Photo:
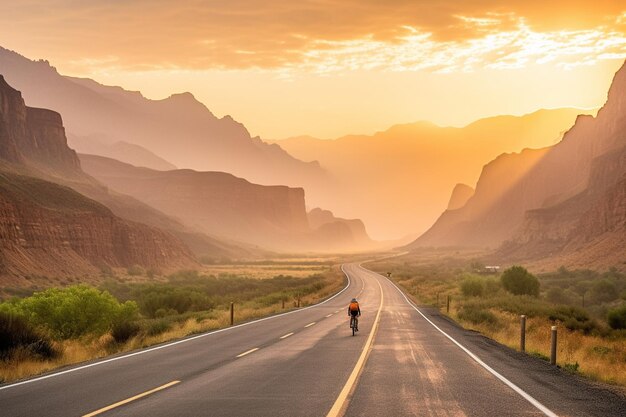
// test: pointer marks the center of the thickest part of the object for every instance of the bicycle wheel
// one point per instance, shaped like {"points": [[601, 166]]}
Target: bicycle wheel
{"points": [[353, 325]]}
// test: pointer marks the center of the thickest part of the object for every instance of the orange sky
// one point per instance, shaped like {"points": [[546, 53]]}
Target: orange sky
{"points": [[332, 67]]}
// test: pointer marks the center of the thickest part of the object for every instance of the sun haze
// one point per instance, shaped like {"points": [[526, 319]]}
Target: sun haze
{"points": [[334, 67]]}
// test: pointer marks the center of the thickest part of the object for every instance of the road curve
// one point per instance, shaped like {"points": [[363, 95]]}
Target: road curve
{"points": [[301, 364]]}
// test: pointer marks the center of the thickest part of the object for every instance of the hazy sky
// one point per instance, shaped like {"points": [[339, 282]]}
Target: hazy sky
{"points": [[331, 67]]}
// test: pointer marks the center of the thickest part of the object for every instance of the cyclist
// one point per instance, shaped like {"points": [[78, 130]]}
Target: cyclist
{"points": [[354, 311]]}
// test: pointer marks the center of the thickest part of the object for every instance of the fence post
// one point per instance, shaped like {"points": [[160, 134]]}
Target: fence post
{"points": [[232, 313], [298, 301], [283, 303], [437, 300], [553, 346], [522, 334], [448, 305]]}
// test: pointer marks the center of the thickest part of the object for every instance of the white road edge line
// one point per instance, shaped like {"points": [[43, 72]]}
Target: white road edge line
{"points": [[309, 325], [337, 408], [492, 371], [247, 352], [287, 335], [141, 352], [328, 315]]}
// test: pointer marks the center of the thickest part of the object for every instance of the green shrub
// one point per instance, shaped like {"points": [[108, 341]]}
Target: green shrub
{"points": [[617, 318], [517, 280], [472, 287], [602, 291], [166, 298], [573, 318], [158, 327], [73, 311], [17, 334], [124, 330], [492, 286], [476, 315], [557, 296]]}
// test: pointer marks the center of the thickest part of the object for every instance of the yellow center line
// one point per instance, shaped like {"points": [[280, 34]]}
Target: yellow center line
{"points": [[126, 401], [339, 407], [336, 311], [310, 324], [329, 315], [247, 352], [286, 336]]}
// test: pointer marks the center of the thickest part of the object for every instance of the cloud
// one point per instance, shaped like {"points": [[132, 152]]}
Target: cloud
{"points": [[317, 35]]}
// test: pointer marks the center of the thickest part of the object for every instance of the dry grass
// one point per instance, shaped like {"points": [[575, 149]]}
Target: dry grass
{"points": [[264, 271], [76, 351], [599, 358]]}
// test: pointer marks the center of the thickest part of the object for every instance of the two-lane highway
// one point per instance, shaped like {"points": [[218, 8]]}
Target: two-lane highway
{"points": [[292, 364], [404, 361]]}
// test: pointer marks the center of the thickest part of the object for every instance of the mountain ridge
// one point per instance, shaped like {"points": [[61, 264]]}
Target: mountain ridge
{"points": [[566, 203], [113, 114], [421, 157]]}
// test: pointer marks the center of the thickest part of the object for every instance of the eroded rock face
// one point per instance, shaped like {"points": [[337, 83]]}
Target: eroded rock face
{"points": [[336, 232], [51, 230], [60, 232], [587, 229], [566, 202], [32, 136], [213, 202]]}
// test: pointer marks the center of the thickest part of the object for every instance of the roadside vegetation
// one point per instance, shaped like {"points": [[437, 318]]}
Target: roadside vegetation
{"points": [[588, 307], [46, 329]]}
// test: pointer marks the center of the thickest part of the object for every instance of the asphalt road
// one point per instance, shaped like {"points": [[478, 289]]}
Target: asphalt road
{"points": [[403, 362]]}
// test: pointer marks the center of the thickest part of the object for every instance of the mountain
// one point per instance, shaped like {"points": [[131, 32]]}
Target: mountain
{"points": [[223, 205], [122, 151], [399, 179], [565, 204], [179, 127], [339, 233], [481, 221], [460, 194], [49, 229]]}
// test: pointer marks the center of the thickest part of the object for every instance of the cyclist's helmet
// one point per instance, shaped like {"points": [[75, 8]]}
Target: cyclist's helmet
{"points": [[354, 300]]}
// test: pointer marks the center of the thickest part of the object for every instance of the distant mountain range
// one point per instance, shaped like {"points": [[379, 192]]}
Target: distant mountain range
{"points": [[399, 179], [178, 127], [560, 205], [122, 151], [221, 204]]}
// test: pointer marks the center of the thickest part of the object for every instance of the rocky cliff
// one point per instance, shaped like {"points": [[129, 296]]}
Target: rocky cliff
{"points": [[214, 202], [33, 136], [586, 230], [49, 229], [223, 205], [496, 208], [338, 233], [565, 204]]}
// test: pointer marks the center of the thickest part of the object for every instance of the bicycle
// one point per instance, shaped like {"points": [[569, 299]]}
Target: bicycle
{"points": [[354, 324]]}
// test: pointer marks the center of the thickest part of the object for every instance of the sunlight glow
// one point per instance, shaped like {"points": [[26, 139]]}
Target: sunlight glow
{"points": [[497, 50]]}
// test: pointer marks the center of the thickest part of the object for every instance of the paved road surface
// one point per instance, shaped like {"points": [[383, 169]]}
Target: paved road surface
{"points": [[306, 363]]}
